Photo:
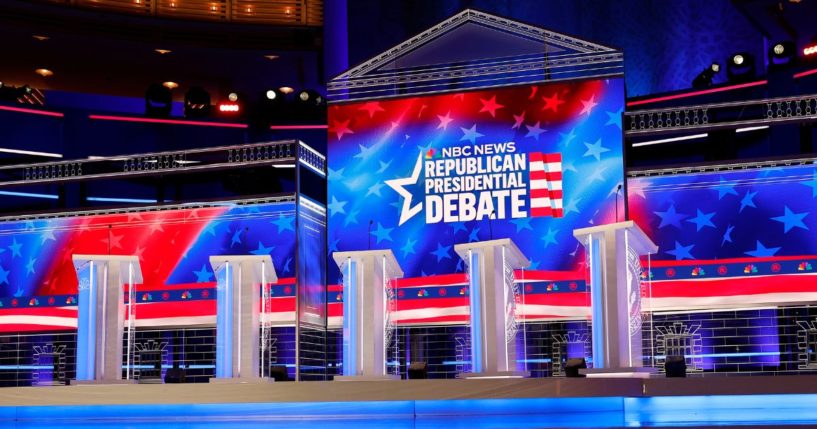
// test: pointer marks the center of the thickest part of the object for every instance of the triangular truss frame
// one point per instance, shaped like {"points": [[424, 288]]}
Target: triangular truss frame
{"points": [[575, 59]]}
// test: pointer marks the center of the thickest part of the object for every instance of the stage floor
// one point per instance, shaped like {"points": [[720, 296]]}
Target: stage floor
{"points": [[491, 403]]}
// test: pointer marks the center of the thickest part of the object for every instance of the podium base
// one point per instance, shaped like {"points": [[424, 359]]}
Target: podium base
{"points": [[239, 380], [494, 374], [366, 378], [99, 382], [633, 372]]}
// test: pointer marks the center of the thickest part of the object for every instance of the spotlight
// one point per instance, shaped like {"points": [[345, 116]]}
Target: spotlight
{"points": [[272, 94], [782, 54], [418, 371], [810, 50], [738, 59], [572, 367], [158, 101], [704, 79], [232, 97], [196, 103], [675, 366], [741, 67], [44, 72], [286, 90], [170, 85]]}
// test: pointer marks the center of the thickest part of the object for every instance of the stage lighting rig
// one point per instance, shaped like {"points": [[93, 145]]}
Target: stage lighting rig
{"points": [[196, 103], [741, 67], [233, 106], [309, 106], [704, 79], [158, 101], [782, 54]]}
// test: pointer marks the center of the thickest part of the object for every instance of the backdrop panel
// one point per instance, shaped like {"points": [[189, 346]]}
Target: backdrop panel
{"points": [[529, 162]]}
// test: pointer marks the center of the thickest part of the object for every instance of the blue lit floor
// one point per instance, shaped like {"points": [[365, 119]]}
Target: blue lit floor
{"points": [[593, 412]]}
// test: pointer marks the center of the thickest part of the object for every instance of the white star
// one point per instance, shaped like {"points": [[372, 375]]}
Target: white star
{"points": [[588, 105], [47, 235], [407, 212], [444, 120]]}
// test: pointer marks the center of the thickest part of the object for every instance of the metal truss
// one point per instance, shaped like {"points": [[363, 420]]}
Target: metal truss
{"points": [[704, 117], [571, 58]]}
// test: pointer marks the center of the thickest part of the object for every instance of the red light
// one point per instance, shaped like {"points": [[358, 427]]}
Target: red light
{"points": [[228, 108], [810, 50]]}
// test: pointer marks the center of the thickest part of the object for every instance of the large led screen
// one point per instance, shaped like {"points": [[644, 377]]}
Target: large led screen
{"points": [[38, 282], [420, 175], [730, 238]]}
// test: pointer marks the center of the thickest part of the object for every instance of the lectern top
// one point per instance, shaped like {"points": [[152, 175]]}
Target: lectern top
{"points": [[133, 260], [639, 240], [253, 262], [391, 261], [518, 259]]}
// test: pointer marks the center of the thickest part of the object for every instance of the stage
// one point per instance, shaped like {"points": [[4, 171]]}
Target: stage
{"points": [[557, 402]]}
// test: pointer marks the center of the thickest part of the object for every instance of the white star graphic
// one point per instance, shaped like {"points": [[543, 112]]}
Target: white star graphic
{"points": [[407, 211]]}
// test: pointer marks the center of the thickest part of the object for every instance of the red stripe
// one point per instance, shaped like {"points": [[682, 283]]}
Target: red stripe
{"points": [[553, 176], [430, 303], [555, 194], [695, 93], [441, 280], [567, 299], [684, 263], [298, 127], [40, 311], [32, 111], [787, 283], [548, 275], [33, 328], [535, 156], [558, 212], [540, 211], [553, 157], [440, 319], [538, 175], [167, 121], [539, 193], [157, 310], [334, 309]]}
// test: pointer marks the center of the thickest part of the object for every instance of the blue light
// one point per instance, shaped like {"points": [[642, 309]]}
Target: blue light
{"points": [[18, 367], [596, 301], [86, 323], [30, 195], [350, 337], [475, 297], [614, 411], [224, 322], [121, 200]]}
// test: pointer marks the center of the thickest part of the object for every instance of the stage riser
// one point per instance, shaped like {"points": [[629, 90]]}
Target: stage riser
{"points": [[761, 341]]}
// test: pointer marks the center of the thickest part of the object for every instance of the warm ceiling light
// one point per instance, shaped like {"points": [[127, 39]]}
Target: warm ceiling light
{"points": [[44, 72], [213, 7], [170, 85], [286, 90], [163, 51], [40, 38], [271, 57]]}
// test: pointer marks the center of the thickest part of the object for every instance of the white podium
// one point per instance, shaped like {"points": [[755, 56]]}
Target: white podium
{"points": [[239, 281], [491, 265], [101, 316], [368, 303], [613, 254]]}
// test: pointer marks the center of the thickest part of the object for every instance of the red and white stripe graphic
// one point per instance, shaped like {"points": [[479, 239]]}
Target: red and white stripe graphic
{"points": [[545, 184]]}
